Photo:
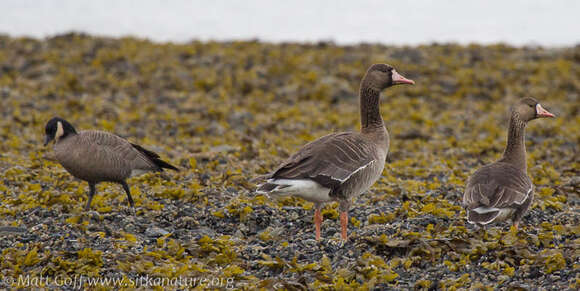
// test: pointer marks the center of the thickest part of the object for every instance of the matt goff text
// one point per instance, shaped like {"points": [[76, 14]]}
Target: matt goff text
{"points": [[81, 281]]}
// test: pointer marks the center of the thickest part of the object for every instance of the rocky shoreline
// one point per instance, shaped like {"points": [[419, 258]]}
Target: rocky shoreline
{"points": [[228, 112]]}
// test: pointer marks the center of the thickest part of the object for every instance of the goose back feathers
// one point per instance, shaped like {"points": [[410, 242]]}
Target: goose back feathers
{"points": [[98, 156]]}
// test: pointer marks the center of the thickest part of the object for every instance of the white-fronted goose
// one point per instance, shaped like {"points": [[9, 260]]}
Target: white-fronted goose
{"points": [[97, 156], [502, 189], [340, 166]]}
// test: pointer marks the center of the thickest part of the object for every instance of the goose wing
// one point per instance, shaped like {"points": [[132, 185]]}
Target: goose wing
{"points": [[329, 160], [494, 188]]}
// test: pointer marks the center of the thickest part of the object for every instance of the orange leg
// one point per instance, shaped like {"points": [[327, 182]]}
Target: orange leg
{"points": [[516, 225], [317, 222], [343, 224]]}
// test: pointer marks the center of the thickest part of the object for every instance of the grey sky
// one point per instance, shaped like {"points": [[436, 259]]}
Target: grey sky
{"points": [[548, 23]]}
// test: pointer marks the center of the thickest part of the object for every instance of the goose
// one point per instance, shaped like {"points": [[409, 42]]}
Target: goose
{"points": [[502, 189], [340, 166], [98, 156]]}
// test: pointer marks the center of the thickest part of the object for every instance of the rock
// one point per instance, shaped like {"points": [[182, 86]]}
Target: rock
{"points": [[6, 230], [339, 88], [203, 231], [155, 231], [216, 129], [224, 148], [574, 182], [238, 120]]}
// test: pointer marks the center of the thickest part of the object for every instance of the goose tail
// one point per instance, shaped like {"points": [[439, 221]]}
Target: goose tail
{"points": [[154, 157]]}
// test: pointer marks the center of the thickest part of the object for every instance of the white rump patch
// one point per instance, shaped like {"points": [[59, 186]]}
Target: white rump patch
{"points": [[304, 188]]}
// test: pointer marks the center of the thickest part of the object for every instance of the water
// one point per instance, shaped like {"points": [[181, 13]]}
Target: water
{"points": [[547, 23]]}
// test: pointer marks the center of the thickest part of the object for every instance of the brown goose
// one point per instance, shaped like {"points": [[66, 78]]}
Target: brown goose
{"points": [[97, 156], [340, 166], [502, 189]]}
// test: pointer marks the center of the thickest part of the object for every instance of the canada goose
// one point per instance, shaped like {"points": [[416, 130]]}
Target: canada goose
{"points": [[340, 166], [502, 189], [97, 156]]}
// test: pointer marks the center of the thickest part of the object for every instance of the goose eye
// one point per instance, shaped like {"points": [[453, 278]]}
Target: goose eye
{"points": [[531, 106]]}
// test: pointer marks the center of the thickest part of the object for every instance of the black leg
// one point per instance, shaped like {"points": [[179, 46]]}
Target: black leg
{"points": [[92, 190], [128, 191]]}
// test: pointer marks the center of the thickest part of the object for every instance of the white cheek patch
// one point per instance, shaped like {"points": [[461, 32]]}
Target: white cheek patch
{"points": [[59, 131]]}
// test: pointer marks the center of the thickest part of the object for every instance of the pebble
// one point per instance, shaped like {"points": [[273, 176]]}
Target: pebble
{"points": [[155, 232]]}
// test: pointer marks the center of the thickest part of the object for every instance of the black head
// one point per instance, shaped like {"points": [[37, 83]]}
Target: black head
{"points": [[56, 129], [529, 108], [382, 76]]}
